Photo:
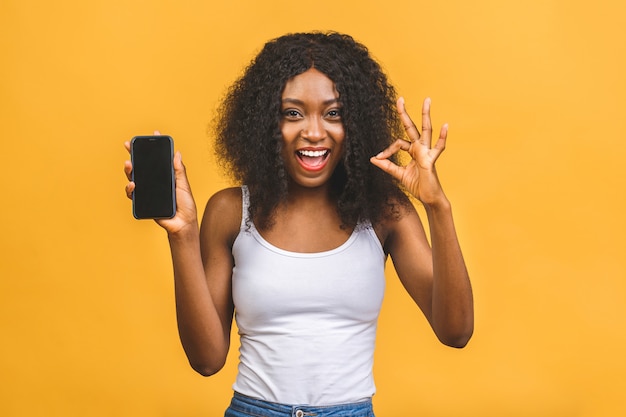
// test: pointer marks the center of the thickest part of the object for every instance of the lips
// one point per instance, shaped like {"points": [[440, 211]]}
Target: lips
{"points": [[313, 159]]}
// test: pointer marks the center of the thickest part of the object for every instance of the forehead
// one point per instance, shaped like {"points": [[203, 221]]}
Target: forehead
{"points": [[310, 84]]}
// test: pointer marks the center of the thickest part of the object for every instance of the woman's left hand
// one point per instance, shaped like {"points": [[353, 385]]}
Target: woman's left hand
{"points": [[419, 175]]}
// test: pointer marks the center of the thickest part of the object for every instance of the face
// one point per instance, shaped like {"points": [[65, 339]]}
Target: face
{"points": [[312, 128]]}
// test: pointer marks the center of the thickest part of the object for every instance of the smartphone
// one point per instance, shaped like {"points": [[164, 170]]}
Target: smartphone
{"points": [[154, 196]]}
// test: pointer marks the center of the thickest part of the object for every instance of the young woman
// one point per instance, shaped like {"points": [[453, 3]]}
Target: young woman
{"points": [[297, 253]]}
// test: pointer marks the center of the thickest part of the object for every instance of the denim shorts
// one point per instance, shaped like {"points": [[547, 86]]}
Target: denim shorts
{"points": [[244, 406]]}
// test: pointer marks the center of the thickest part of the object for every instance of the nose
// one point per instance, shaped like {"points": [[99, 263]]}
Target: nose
{"points": [[314, 129]]}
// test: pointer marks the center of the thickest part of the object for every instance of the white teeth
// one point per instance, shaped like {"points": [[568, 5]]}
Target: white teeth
{"points": [[313, 154]]}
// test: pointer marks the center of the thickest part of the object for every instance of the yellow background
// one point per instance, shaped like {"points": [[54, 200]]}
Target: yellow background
{"points": [[535, 95]]}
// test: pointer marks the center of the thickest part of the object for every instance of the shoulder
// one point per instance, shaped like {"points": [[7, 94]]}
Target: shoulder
{"points": [[225, 199], [400, 216], [222, 214]]}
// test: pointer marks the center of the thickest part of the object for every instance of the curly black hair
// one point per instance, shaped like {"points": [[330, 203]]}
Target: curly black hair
{"points": [[248, 137]]}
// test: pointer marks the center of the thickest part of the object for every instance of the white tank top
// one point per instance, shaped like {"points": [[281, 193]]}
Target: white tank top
{"points": [[307, 321]]}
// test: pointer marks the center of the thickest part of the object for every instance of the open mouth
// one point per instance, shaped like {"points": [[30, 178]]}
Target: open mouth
{"points": [[313, 159]]}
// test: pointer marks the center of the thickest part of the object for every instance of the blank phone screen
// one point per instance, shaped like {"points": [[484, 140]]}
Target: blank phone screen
{"points": [[153, 174]]}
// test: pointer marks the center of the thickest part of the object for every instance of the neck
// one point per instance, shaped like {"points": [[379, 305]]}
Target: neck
{"points": [[310, 196]]}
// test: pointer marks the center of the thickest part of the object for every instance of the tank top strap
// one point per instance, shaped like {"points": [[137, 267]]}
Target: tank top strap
{"points": [[245, 204]]}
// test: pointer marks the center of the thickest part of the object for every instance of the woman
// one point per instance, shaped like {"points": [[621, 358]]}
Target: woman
{"points": [[311, 130]]}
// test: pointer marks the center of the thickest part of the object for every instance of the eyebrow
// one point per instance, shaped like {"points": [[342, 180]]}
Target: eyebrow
{"points": [[300, 102]]}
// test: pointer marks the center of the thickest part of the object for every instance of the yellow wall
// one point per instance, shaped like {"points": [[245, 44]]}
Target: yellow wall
{"points": [[535, 95]]}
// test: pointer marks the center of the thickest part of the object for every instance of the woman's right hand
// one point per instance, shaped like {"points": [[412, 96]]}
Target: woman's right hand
{"points": [[186, 217]]}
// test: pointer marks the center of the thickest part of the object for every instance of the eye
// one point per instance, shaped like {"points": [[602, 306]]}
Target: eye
{"points": [[334, 114], [291, 114]]}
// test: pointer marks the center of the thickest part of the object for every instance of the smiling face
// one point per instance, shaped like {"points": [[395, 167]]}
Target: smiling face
{"points": [[312, 129]]}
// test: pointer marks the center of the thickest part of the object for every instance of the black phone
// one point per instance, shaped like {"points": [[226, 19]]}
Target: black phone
{"points": [[154, 196]]}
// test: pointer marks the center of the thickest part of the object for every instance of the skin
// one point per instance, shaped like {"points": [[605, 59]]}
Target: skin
{"points": [[311, 121], [435, 277]]}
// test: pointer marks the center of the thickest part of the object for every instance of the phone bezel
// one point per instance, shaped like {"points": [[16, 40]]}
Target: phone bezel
{"points": [[141, 215]]}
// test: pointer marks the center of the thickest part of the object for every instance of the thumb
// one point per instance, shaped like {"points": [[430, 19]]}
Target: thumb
{"points": [[179, 168], [180, 173]]}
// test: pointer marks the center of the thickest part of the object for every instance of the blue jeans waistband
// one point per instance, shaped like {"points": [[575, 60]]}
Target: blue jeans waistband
{"points": [[244, 406]]}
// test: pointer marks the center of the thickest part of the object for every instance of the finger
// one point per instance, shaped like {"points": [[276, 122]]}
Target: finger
{"points": [[179, 167], [426, 124], [407, 122], [157, 133], [441, 141], [180, 172], [389, 167], [130, 187], [128, 170], [127, 145], [399, 144]]}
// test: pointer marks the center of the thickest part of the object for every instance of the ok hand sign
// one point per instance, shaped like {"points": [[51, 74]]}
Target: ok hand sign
{"points": [[419, 175]]}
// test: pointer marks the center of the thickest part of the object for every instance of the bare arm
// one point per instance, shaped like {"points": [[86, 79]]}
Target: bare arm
{"points": [[436, 278], [202, 271], [202, 264]]}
